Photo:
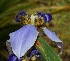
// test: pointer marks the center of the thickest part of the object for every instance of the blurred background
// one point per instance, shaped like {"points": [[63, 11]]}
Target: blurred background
{"points": [[59, 9]]}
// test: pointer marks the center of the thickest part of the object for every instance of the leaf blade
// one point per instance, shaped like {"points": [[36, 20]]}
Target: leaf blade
{"points": [[49, 52]]}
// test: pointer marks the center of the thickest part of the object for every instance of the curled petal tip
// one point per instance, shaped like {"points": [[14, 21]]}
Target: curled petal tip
{"points": [[40, 14], [20, 13], [35, 52], [47, 17]]}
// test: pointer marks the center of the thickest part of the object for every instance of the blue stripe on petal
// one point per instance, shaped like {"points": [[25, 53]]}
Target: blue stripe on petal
{"points": [[23, 39], [22, 13], [40, 14], [17, 19], [47, 17]]}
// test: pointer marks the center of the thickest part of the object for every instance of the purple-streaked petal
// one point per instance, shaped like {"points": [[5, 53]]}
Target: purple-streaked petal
{"points": [[53, 37], [35, 52], [20, 13], [40, 14], [47, 17], [17, 19], [23, 39], [12, 57]]}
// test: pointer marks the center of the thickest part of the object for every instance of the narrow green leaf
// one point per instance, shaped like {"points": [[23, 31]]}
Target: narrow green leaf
{"points": [[42, 53], [49, 53]]}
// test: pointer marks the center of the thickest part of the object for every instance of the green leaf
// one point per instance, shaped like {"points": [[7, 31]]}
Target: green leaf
{"points": [[48, 53]]}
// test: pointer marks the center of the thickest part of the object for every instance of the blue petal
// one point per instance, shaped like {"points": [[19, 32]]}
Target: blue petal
{"points": [[23, 39], [12, 57], [52, 36]]}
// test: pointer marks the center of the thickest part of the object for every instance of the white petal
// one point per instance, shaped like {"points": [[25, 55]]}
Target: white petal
{"points": [[23, 39]]}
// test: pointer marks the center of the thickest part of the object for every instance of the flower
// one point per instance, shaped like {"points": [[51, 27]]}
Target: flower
{"points": [[24, 38]]}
